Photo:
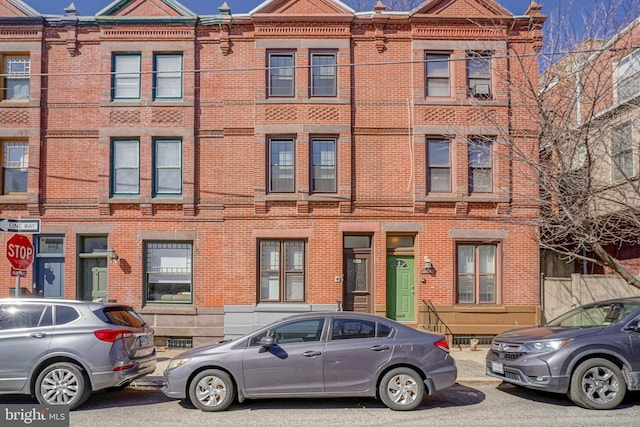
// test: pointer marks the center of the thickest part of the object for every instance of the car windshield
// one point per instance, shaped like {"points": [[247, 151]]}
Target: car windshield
{"points": [[603, 314]]}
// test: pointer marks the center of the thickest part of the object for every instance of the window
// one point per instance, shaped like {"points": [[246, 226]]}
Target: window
{"points": [[629, 76], [168, 272], [18, 316], [308, 330], [15, 166], [622, 152], [167, 178], [323, 74], [281, 165], [476, 273], [323, 170], [438, 75], [16, 71], [282, 270], [480, 175], [281, 81], [439, 164], [126, 167], [479, 74], [167, 76], [126, 76]]}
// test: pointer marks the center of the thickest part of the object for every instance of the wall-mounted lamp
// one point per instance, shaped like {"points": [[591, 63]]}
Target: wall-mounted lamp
{"points": [[112, 255], [428, 267]]}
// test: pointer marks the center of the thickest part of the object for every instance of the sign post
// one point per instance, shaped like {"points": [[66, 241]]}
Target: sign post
{"points": [[20, 255]]}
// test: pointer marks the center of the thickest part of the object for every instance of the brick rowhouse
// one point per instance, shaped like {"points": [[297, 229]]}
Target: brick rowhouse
{"points": [[220, 171]]}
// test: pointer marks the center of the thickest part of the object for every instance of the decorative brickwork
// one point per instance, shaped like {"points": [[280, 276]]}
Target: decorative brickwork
{"points": [[282, 114], [174, 117], [14, 117], [324, 114], [124, 117]]}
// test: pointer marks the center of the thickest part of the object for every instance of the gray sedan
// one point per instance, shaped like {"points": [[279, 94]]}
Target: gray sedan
{"points": [[333, 354]]}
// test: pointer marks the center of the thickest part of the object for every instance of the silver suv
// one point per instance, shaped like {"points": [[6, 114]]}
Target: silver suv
{"points": [[61, 350]]}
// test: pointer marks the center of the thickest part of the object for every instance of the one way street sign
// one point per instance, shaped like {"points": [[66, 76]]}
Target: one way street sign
{"points": [[20, 225]]}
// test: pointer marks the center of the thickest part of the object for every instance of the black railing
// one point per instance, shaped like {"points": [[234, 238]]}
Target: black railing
{"points": [[435, 324]]}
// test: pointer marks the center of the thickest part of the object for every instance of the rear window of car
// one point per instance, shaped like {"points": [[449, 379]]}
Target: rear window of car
{"points": [[121, 316]]}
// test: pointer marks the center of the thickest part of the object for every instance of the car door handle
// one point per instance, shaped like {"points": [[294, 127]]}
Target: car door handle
{"points": [[380, 347], [39, 335], [311, 353]]}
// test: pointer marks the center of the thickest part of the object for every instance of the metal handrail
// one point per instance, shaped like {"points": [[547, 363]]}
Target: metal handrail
{"points": [[436, 326]]}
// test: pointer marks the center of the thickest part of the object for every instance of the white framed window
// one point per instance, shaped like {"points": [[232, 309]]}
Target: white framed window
{"points": [[168, 272], [167, 74], [15, 166], [476, 273], [125, 174], [126, 76], [628, 84], [16, 70]]}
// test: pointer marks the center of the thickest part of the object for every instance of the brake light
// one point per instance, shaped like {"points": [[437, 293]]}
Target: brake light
{"points": [[110, 335], [443, 344]]}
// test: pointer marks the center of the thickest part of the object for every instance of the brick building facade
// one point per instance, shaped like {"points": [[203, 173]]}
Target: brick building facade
{"points": [[221, 171]]}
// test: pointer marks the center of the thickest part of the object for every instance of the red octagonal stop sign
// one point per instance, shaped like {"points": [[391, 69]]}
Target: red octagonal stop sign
{"points": [[19, 252]]}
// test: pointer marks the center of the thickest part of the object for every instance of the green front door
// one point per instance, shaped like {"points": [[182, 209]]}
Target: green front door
{"points": [[400, 290]]}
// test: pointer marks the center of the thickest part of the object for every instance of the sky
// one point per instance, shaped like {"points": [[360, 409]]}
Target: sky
{"points": [[206, 7], [567, 19]]}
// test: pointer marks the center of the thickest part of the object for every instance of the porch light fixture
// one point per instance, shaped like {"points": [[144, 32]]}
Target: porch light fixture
{"points": [[428, 267], [112, 255]]}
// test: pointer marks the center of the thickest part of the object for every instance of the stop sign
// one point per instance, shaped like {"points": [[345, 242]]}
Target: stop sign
{"points": [[19, 252]]}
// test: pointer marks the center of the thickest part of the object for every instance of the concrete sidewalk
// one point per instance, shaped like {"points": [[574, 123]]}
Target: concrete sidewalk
{"points": [[470, 367]]}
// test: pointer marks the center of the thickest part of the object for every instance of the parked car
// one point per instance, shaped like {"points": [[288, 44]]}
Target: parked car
{"points": [[592, 353], [61, 350], [335, 354]]}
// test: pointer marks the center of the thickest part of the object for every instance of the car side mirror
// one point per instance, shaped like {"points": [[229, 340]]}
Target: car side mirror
{"points": [[266, 343]]}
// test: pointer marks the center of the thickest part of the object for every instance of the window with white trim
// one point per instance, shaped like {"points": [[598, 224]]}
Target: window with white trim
{"points": [[629, 76], [15, 166], [16, 71], [476, 273], [168, 272], [282, 270]]}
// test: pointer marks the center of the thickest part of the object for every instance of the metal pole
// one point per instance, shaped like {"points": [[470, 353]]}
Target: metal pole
{"points": [[18, 285]]}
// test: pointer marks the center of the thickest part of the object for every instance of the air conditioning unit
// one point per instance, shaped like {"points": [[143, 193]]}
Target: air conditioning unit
{"points": [[481, 90]]}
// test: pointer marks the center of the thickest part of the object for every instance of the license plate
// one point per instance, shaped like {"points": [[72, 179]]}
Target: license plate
{"points": [[144, 341], [497, 367]]}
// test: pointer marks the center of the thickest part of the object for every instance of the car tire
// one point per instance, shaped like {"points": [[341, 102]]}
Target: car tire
{"points": [[212, 390], [401, 389], [62, 383], [597, 384]]}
